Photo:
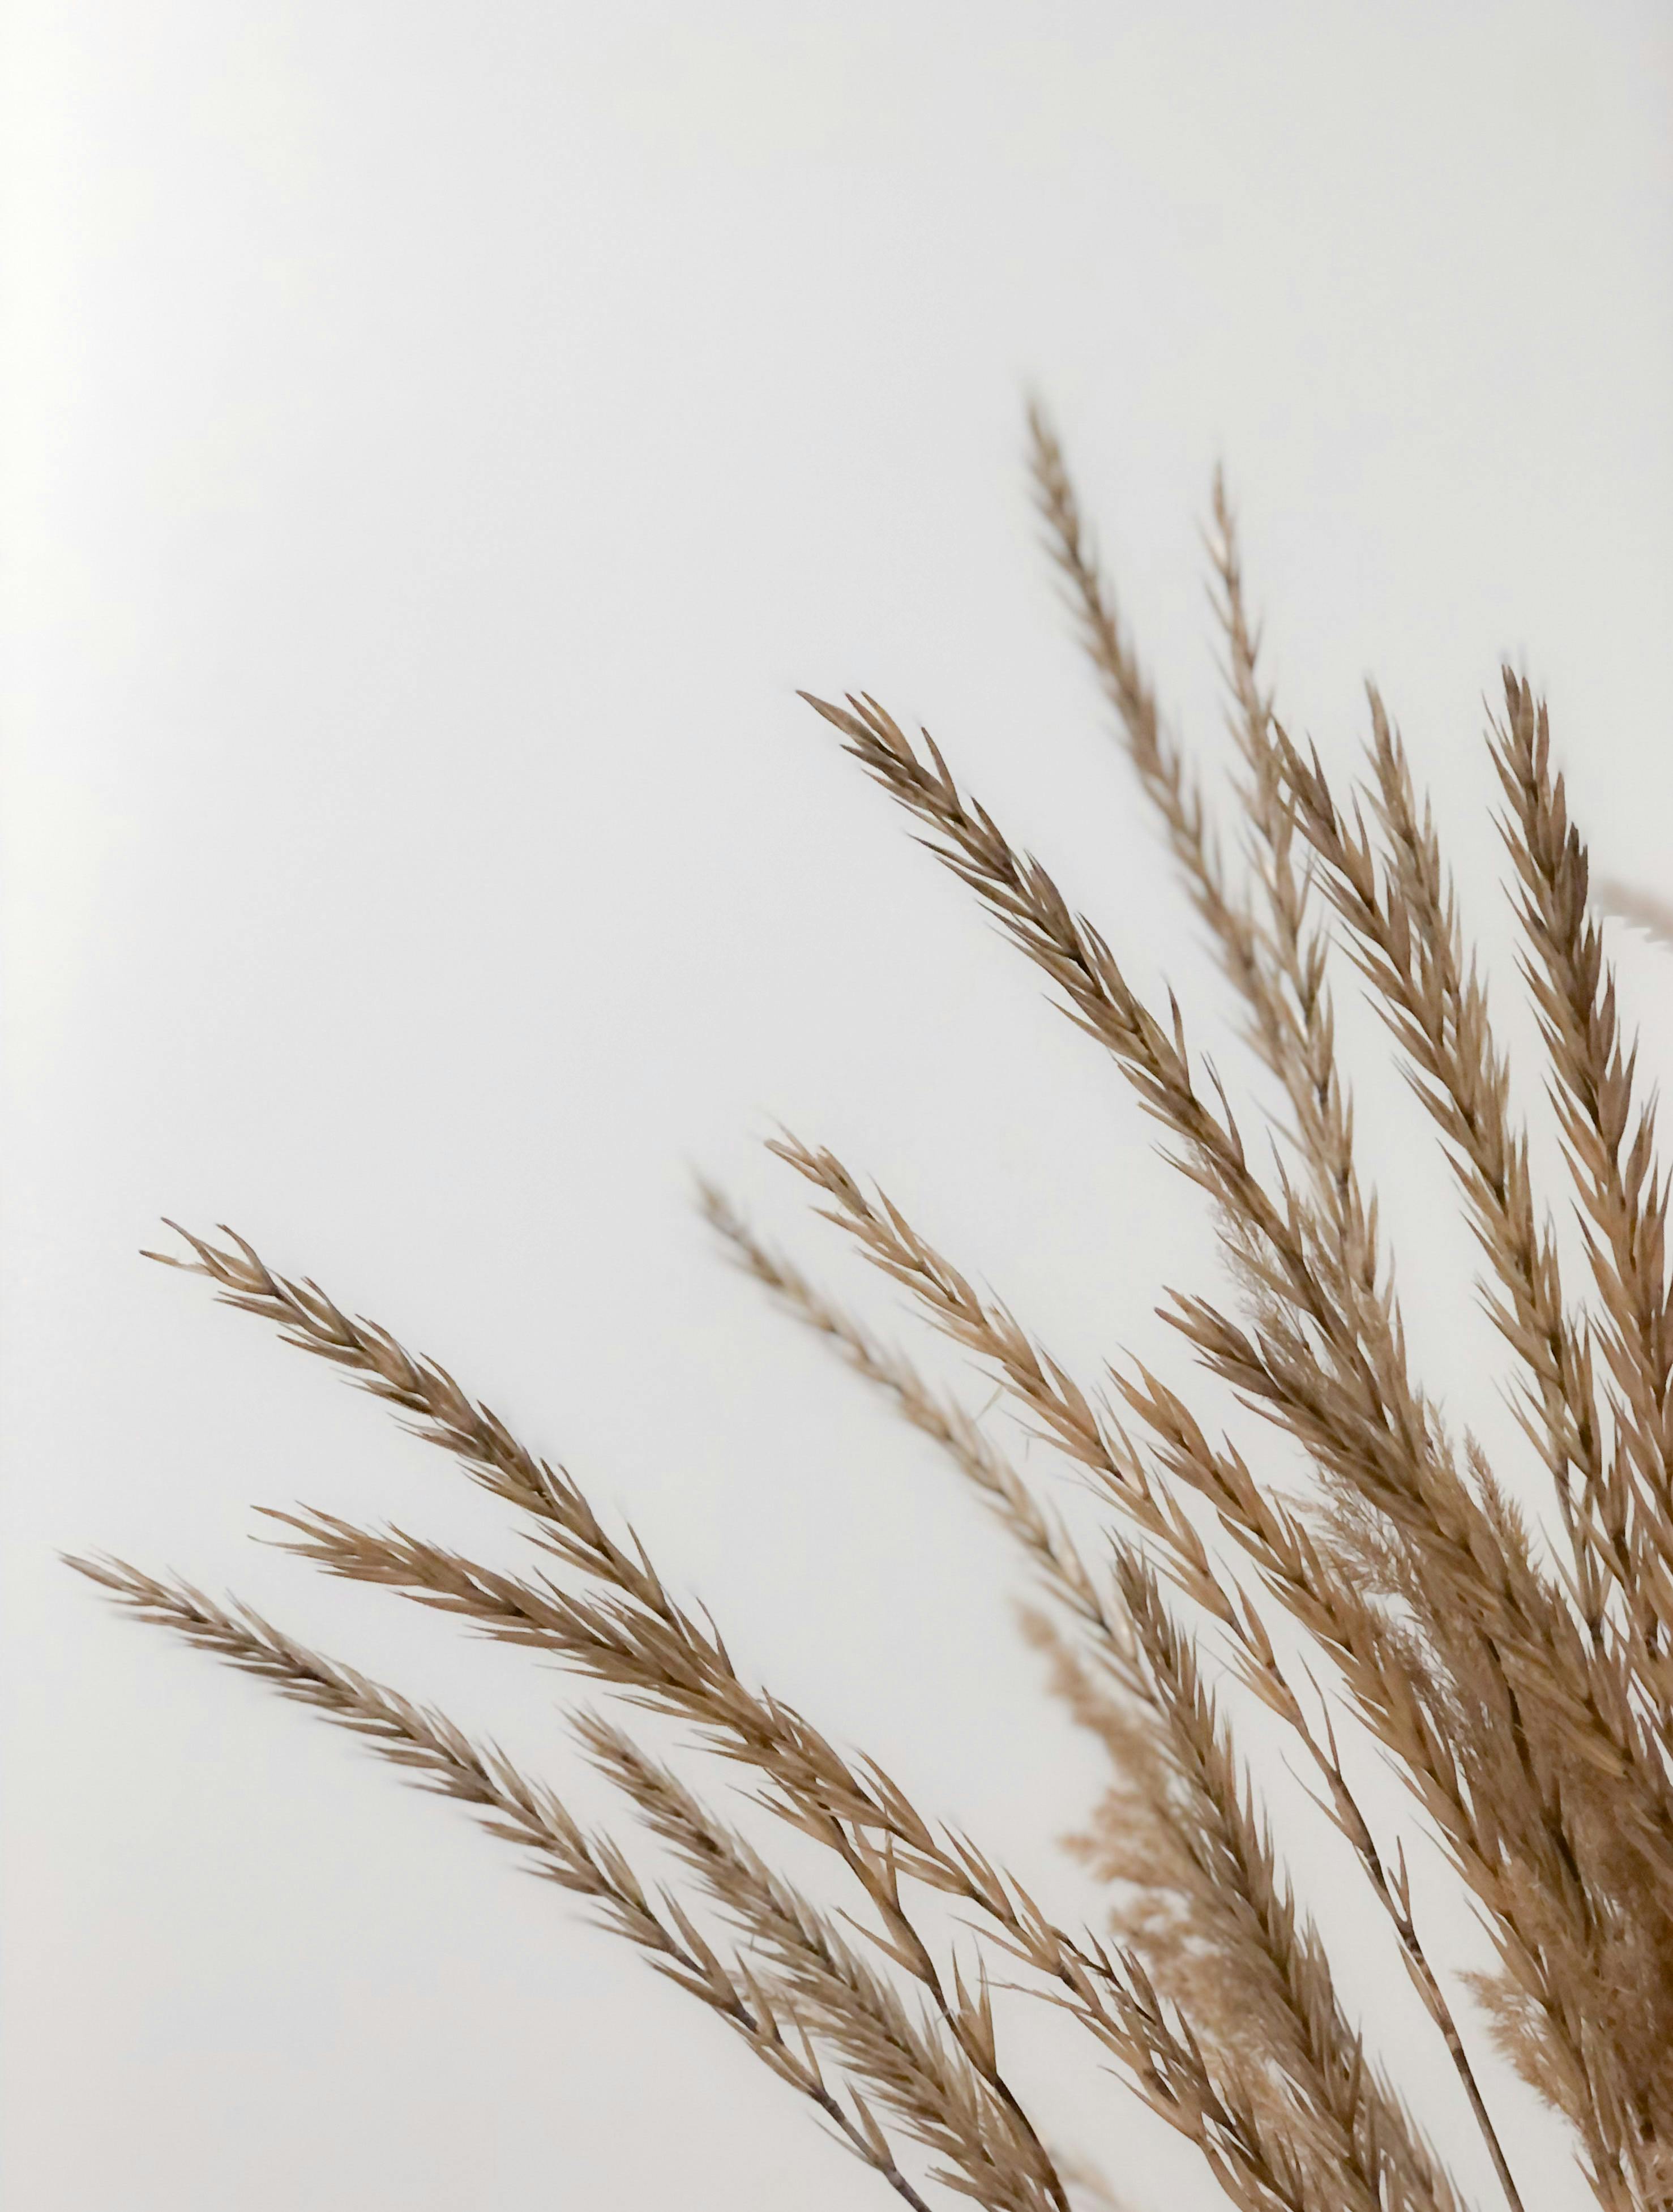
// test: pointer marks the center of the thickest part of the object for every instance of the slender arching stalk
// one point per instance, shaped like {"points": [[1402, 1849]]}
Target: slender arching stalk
{"points": [[1350, 1557]]}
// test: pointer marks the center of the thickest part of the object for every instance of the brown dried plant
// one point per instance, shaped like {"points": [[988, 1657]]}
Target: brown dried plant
{"points": [[1499, 1639]]}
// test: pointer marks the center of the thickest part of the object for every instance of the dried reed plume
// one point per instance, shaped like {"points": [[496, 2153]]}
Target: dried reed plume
{"points": [[1500, 1636]]}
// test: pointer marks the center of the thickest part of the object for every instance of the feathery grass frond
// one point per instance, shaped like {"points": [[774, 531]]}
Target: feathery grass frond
{"points": [[1397, 1596], [1232, 1876], [1012, 1500], [905, 2057], [440, 1757], [636, 1639]]}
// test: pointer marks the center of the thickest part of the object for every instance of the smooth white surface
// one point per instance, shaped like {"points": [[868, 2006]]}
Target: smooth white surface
{"points": [[438, 439]]}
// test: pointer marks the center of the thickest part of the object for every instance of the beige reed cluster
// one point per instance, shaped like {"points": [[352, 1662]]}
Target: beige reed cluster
{"points": [[1500, 1640]]}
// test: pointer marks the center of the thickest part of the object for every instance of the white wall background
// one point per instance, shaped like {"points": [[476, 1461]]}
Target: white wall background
{"points": [[438, 439]]}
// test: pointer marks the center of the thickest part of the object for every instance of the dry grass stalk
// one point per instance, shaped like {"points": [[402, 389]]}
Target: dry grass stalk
{"points": [[972, 1451], [443, 1759], [1518, 1678]]}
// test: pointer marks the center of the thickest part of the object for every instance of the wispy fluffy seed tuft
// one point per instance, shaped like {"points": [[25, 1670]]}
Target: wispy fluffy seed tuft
{"points": [[1499, 1635]]}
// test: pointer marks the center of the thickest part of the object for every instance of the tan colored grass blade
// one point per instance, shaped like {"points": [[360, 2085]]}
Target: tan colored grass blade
{"points": [[440, 1757]]}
